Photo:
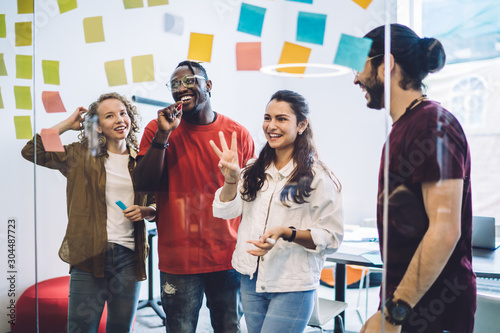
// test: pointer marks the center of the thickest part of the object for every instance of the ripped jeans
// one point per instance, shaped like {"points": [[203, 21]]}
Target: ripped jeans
{"points": [[182, 296]]}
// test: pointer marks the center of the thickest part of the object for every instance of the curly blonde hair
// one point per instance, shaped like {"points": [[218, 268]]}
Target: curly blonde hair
{"points": [[91, 118]]}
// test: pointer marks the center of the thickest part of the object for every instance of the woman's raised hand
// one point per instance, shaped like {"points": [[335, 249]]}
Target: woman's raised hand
{"points": [[228, 164], [75, 121]]}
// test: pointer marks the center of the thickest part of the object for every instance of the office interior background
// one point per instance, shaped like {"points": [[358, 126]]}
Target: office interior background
{"points": [[56, 55]]}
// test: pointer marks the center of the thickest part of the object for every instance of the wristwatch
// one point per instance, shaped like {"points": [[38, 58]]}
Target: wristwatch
{"points": [[397, 312]]}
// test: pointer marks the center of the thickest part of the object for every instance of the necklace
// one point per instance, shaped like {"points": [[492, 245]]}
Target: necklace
{"points": [[415, 102]]}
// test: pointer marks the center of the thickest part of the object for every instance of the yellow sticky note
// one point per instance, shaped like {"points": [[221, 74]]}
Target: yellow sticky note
{"points": [[363, 3], [93, 29], [200, 47], [1, 100], [293, 53], [25, 6], [24, 66], [157, 2], [143, 68], [3, 27], [23, 127], [50, 70], [115, 72], [3, 69], [23, 33], [129, 4], [66, 5], [23, 97]]}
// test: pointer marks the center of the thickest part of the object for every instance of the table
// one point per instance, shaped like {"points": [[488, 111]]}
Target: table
{"points": [[485, 263]]}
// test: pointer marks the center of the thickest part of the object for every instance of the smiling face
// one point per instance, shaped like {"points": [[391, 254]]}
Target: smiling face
{"points": [[114, 121], [368, 80], [280, 126], [193, 99]]}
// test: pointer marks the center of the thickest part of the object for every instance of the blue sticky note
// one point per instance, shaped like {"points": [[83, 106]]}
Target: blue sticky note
{"points": [[121, 205], [304, 1], [353, 52], [311, 28], [251, 19]]}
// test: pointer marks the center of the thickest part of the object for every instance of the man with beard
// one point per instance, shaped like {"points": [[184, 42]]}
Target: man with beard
{"points": [[430, 283], [194, 248]]}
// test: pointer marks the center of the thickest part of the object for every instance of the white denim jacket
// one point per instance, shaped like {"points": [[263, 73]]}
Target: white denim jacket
{"points": [[288, 266]]}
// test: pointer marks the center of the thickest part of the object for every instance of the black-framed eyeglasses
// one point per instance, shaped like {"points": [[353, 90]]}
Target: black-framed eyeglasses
{"points": [[355, 72], [189, 81]]}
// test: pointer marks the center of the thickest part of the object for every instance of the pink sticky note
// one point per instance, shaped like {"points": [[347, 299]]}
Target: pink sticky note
{"points": [[52, 102], [51, 140], [248, 56]]}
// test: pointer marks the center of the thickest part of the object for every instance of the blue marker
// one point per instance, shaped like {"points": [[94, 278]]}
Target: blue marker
{"points": [[121, 205]]}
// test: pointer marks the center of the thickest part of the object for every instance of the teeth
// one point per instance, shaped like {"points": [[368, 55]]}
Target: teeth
{"points": [[185, 98], [120, 128], [274, 135]]}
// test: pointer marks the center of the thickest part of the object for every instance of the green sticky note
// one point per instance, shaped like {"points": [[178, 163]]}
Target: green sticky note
{"points": [[311, 28], [66, 5], [23, 127], [1, 100], [23, 33], [23, 97], [115, 72], [251, 19], [24, 66], [143, 68], [3, 28], [50, 70], [3, 69], [157, 2], [93, 29], [129, 4], [25, 6]]}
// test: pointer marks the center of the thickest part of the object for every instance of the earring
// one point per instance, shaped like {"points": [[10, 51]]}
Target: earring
{"points": [[300, 133], [101, 141]]}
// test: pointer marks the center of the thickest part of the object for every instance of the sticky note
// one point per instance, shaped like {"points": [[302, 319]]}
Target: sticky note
{"points": [[311, 28], [293, 53], [363, 3], [23, 33], [25, 6], [50, 69], [1, 100], [304, 1], [66, 5], [174, 24], [3, 27], [51, 140], [23, 127], [22, 95], [93, 29], [251, 19], [352, 52], [52, 102], [157, 2], [143, 68], [24, 66], [248, 56], [3, 69], [115, 72], [200, 47], [129, 4]]}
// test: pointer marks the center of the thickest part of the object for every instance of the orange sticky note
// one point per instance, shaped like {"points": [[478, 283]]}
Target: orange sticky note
{"points": [[23, 33], [293, 53], [51, 139], [52, 102], [23, 127], [200, 47], [248, 56], [363, 3]]}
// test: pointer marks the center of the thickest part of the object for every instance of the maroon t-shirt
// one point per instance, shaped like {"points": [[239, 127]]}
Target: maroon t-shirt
{"points": [[427, 144]]}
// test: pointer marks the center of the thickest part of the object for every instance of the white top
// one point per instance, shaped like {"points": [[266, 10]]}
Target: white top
{"points": [[119, 187], [288, 266]]}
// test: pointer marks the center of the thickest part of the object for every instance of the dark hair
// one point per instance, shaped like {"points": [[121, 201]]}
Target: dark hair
{"points": [[416, 56], [298, 188], [90, 137], [192, 64]]}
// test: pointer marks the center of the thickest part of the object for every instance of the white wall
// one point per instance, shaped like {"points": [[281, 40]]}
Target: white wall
{"points": [[349, 136]]}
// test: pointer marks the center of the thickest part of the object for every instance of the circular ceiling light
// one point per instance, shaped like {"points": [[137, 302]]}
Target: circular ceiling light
{"points": [[333, 70]]}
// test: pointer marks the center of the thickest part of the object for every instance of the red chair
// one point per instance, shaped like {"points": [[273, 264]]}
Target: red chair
{"points": [[52, 308]]}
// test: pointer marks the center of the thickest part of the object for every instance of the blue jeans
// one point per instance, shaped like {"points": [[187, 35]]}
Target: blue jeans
{"points": [[119, 288], [182, 295], [275, 312]]}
